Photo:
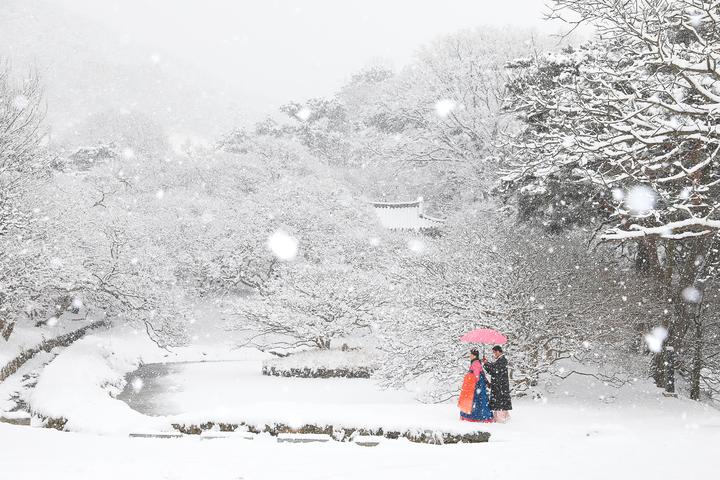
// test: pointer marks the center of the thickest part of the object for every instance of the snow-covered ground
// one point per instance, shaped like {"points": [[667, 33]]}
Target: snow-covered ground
{"points": [[563, 440], [584, 430]]}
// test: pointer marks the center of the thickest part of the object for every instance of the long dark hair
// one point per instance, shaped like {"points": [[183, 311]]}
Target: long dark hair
{"points": [[474, 352]]}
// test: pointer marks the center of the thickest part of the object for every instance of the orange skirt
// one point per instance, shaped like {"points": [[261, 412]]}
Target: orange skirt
{"points": [[467, 393]]}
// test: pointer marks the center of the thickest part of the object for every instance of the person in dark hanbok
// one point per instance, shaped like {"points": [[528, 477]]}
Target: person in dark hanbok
{"points": [[500, 401]]}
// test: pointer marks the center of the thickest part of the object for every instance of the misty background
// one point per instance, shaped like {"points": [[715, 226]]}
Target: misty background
{"points": [[202, 68]]}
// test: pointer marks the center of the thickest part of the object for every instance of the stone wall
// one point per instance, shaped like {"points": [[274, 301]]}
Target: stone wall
{"points": [[62, 341]]}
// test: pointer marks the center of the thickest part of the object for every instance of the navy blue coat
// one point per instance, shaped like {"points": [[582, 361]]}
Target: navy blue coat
{"points": [[500, 386]]}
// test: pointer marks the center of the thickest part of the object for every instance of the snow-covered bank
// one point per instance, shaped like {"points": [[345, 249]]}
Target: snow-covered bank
{"points": [[27, 337], [192, 393], [77, 386]]}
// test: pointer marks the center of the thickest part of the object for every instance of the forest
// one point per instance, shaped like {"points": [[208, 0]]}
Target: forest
{"points": [[577, 177], [579, 183]]}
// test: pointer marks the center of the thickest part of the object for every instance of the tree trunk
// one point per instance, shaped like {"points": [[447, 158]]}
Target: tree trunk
{"points": [[657, 369], [670, 370], [647, 262], [646, 259], [697, 364], [678, 326]]}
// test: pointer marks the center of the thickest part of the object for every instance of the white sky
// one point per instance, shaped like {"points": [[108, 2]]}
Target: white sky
{"points": [[279, 50]]}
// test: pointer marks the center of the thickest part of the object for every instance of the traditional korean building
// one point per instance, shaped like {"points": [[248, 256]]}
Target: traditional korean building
{"points": [[408, 216]]}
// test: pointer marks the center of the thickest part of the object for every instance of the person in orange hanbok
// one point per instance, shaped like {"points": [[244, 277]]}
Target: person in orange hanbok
{"points": [[479, 409]]}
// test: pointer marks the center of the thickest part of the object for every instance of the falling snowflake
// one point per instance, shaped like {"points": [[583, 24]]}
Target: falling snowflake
{"points": [[137, 384], [283, 245], [691, 294], [20, 102], [374, 241], [640, 199], [160, 194], [618, 194], [77, 303], [444, 107], [416, 245], [678, 94], [656, 338], [52, 321], [128, 153], [304, 114]]}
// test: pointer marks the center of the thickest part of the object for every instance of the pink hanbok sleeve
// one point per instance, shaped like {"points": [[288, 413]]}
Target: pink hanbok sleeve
{"points": [[476, 368]]}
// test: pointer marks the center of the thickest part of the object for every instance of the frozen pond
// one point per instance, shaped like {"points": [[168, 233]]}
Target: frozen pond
{"points": [[174, 388]]}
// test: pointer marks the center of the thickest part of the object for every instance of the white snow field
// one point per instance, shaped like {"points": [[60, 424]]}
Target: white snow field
{"points": [[587, 432], [672, 439]]}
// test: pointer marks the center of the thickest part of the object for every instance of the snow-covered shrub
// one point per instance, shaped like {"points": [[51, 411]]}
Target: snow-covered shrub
{"points": [[349, 363], [85, 158]]}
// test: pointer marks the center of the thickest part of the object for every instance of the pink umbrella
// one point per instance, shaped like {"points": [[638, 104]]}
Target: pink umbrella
{"points": [[484, 335]]}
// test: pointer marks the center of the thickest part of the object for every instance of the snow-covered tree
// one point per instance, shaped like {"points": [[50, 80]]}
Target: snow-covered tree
{"points": [[276, 238], [553, 298], [619, 135], [24, 166], [312, 305], [110, 249], [131, 131], [431, 127]]}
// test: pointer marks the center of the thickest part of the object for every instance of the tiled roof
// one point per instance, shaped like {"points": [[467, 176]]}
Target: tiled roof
{"points": [[405, 216]]}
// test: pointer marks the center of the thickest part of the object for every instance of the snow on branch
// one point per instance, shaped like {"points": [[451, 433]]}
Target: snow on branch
{"points": [[666, 231]]}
